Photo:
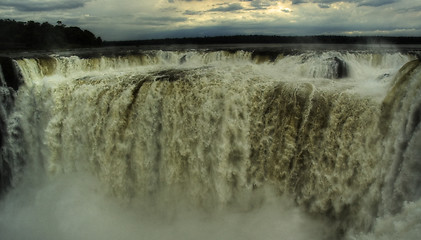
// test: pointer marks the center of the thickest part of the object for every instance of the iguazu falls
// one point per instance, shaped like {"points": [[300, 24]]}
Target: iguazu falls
{"points": [[206, 143]]}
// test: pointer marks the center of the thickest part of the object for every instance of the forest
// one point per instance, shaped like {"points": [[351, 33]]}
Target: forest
{"points": [[15, 35]]}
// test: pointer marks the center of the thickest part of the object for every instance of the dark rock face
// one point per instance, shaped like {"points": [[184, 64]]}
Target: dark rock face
{"points": [[11, 74], [10, 80], [261, 56], [337, 68], [183, 59], [5, 102], [5, 176], [330, 67]]}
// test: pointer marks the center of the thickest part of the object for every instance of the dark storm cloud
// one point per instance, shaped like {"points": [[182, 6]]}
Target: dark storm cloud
{"points": [[227, 8], [326, 3]]}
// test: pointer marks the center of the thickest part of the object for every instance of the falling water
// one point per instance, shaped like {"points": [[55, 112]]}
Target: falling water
{"points": [[213, 145]]}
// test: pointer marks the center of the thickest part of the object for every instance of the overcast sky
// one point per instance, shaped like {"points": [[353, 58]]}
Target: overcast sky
{"points": [[145, 19]]}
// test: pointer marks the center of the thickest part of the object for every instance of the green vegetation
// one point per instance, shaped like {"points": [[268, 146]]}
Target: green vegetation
{"points": [[33, 35]]}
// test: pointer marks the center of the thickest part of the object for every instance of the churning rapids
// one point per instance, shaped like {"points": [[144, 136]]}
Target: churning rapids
{"points": [[198, 144]]}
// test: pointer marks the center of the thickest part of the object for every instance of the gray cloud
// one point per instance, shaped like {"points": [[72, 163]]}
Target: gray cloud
{"points": [[159, 21], [42, 5], [411, 9], [189, 12], [228, 8], [262, 4], [297, 2], [320, 1], [326, 3], [375, 3]]}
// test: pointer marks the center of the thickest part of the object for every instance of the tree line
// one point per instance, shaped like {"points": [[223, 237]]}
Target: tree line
{"points": [[16, 35]]}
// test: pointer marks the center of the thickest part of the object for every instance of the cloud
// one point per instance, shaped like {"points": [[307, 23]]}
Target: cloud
{"points": [[42, 5], [190, 12], [144, 19], [262, 4], [172, 1], [410, 9], [375, 3], [297, 2], [159, 21], [228, 8], [326, 3]]}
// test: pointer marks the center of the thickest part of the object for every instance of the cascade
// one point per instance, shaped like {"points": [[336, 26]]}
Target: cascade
{"points": [[333, 135]]}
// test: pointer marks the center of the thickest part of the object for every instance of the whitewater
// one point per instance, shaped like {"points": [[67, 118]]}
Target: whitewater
{"points": [[211, 144]]}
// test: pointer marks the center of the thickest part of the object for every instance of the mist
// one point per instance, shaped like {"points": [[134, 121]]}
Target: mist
{"points": [[77, 206]]}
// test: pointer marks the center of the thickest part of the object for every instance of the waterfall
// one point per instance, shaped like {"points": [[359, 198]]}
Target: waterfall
{"points": [[330, 139]]}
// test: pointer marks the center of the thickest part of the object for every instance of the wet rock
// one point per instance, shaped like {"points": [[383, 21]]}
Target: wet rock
{"points": [[183, 59], [10, 73], [261, 56], [337, 68]]}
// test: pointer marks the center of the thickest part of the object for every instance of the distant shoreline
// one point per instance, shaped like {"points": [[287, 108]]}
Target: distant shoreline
{"points": [[263, 39], [269, 45]]}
